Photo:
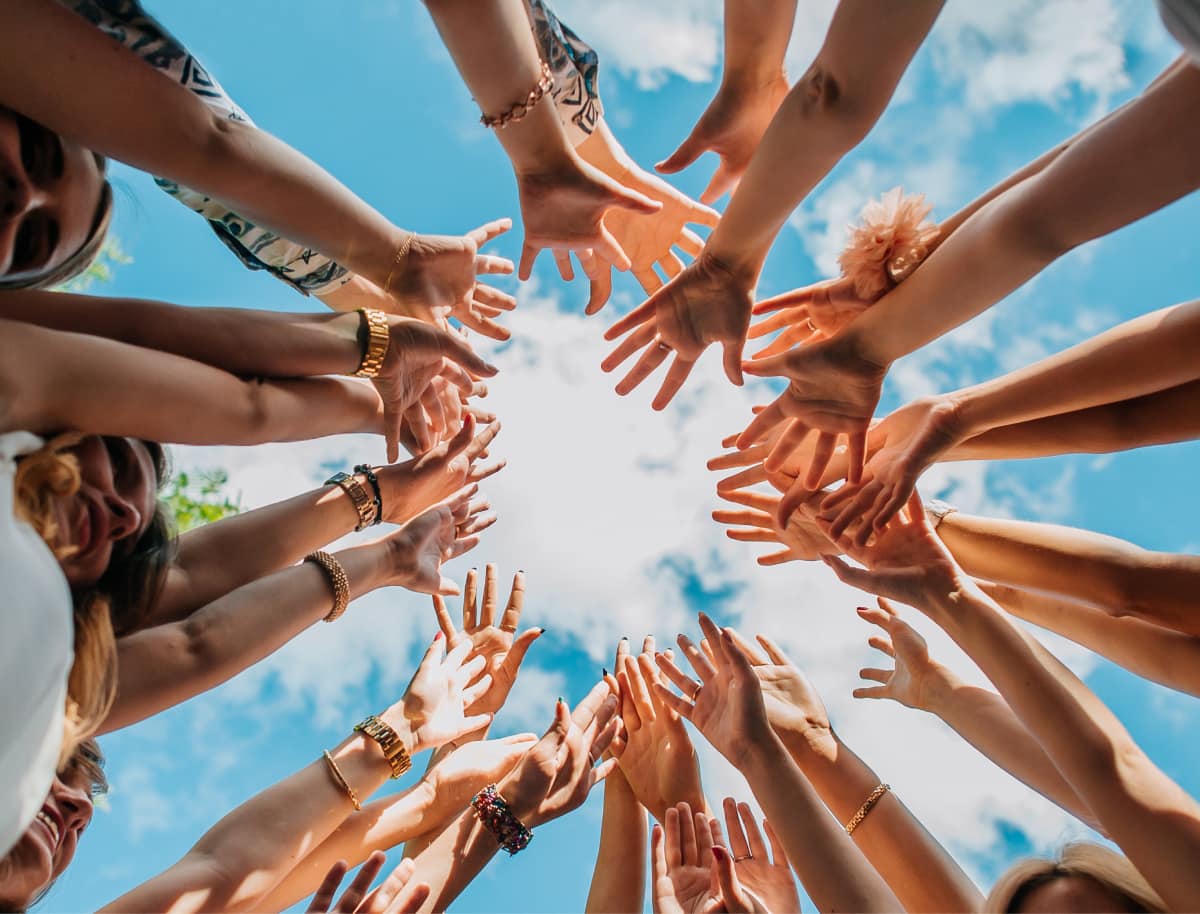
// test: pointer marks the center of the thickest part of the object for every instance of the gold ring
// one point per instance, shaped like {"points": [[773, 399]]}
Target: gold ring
{"points": [[811, 326], [511, 629], [740, 859]]}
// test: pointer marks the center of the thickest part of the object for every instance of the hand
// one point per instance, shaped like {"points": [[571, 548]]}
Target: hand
{"points": [[433, 709], [913, 438], [411, 487], [915, 677], [646, 239], [417, 550], [906, 562], [684, 880], [833, 391], [322, 900], [706, 303], [802, 539], [731, 126], [809, 314], [417, 354], [770, 881], [563, 210], [556, 775], [467, 768], [727, 704], [438, 273], [398, 894], [653, 748], [496, 642]]}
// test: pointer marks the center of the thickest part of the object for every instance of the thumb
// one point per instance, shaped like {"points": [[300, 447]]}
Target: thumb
{"points": [[630, 199], [733, 361], [731, 889], [516, 654], [689, 150], [455, 348], [770, 366]]}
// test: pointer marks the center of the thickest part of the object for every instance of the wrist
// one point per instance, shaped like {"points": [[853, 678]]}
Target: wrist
{"points": [[863, 346], [750, 78], [809, 745], [938, 690], [395, 718], [729, 257], [764, 759], [345, 331]]}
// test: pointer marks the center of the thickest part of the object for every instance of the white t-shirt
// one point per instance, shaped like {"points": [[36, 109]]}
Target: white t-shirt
{"points": [[35, 657]]}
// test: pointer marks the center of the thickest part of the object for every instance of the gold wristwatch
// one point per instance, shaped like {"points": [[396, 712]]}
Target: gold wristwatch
{"points": [[389, 741], [363, 501], [378, 338]]}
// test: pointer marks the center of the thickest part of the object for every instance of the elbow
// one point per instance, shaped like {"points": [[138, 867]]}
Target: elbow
{"points": [[253, 412], [836, 113]]}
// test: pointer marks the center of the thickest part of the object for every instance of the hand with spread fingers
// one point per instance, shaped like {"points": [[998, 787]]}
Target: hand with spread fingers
{"points": [[806, 315], [909, 441], [769, 880], [647, 239], [914, 675], [731, 126], [408, 488], [555, 776], [322, 900], [439, 534], [494, 639], [705, 304], [400, 893], [726, 704], [464, 768], [438, 273], [906, 562], [436, 701], [653, 748], [417, 354], [802, 538], [692, 872], [832, 391]]}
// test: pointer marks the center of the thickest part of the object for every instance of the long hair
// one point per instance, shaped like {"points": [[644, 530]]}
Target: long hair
{"points": [[114, 605], [1109, 869], [82, 259]]}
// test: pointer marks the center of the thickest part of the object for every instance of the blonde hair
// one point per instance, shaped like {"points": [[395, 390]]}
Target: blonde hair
{"points": [[43, 477], [1109, 869]]}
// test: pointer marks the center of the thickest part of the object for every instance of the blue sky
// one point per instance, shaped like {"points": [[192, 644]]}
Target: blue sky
{"points": [[604, 503]]}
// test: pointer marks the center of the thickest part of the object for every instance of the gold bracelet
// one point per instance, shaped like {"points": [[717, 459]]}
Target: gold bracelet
{"points": [[341, 781], [401, 253], [875, 796], [337, 580], [544, 84], [389, 741], [364, 502], [378, 338]]}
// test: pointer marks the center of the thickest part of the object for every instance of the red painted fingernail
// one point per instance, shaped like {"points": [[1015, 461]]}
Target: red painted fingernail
{"points": [[437, 637]]}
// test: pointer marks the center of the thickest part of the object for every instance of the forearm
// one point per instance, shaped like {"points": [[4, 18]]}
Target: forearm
{"points": [[247, 853], [619, 877], [984, 720], [165, 666], [835, 874], [453, 859], [380, 825], [1103, 571], [1164, 417], [1168, 657], [238, 340], [911, 861], [101, 386], [494, 49], [827, 113], [757, 33]]}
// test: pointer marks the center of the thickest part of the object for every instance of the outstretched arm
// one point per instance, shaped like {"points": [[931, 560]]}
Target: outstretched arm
{"points": [[100, 386], [1168, 657], [619, 877], [1110, 574]]}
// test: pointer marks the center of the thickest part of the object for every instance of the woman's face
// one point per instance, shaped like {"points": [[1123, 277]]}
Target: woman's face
{"points": [[112, 509], [49, 193], [48, 845]]}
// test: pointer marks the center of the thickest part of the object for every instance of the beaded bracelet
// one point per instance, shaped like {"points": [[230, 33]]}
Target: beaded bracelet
{"points": [[497, 816], [337, 580], [366, 470]]}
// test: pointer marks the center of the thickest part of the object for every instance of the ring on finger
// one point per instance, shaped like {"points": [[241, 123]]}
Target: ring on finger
{"points": [[744, 857]]}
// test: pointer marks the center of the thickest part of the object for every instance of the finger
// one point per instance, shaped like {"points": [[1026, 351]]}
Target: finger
{"points": [[647, 279], [322, 899], [689, 242], [454, 348], [784, 320], [491, 297], [655, 355], [822, 454], [875, 675], [739, 481], [639, 315], [671, 264], [756, 501], [673, 701], [704, 669], [641, 692], [883, 645], [516, 602], [410, 899], [677, 374], [737, 459], [489, 230], [483, 325], [516, 654], [673, 840], [487, 612], [704, 841], [563, 260], [774, 651], [689, 150], [358, 889], [528, 256], [658, 853], [848, 574], [722, 182], [778, 854], [916, 508], [796, 298], [629, 711], [491, 264], [792, 438], [752, 536], [733, 827], [743, 518], [639, 339], [682, 681], [607, 248], [474, 525], [477, 445], [712, 634], [856, 455], [733, 898], [470, 593], [688, 846], [599, 289], [445, 623], [477, 690], [761, 424], [732, 360], [753, 836]]}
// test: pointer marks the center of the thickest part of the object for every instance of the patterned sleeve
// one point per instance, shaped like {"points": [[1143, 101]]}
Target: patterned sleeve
{"points": [[576, 69], [257, 248]]}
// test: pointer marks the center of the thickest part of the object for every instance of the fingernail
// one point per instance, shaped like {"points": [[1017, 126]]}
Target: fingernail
{"points": [[437, 637], [560, 701], [541, 631], [604, 671], [624, 637], [718, 852]]}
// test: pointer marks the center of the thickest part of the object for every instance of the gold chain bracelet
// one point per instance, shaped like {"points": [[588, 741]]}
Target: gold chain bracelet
{"points": [[522, 108], [875, 796]]}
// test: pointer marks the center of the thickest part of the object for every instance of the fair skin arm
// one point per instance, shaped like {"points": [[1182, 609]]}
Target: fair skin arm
{"points": [[619, 877], [1110, 574], [912, 861], [1154, 821], [248, 853], [727, 706], [100, 386], [166, 665], [979, 716], [1168, 657]]}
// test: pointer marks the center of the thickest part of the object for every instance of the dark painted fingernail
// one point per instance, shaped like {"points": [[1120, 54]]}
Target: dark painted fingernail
{"points": [[541, 631], [604, 671]]}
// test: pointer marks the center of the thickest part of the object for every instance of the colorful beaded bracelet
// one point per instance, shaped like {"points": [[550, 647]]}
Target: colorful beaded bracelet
{"points": [[497, 816]]}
